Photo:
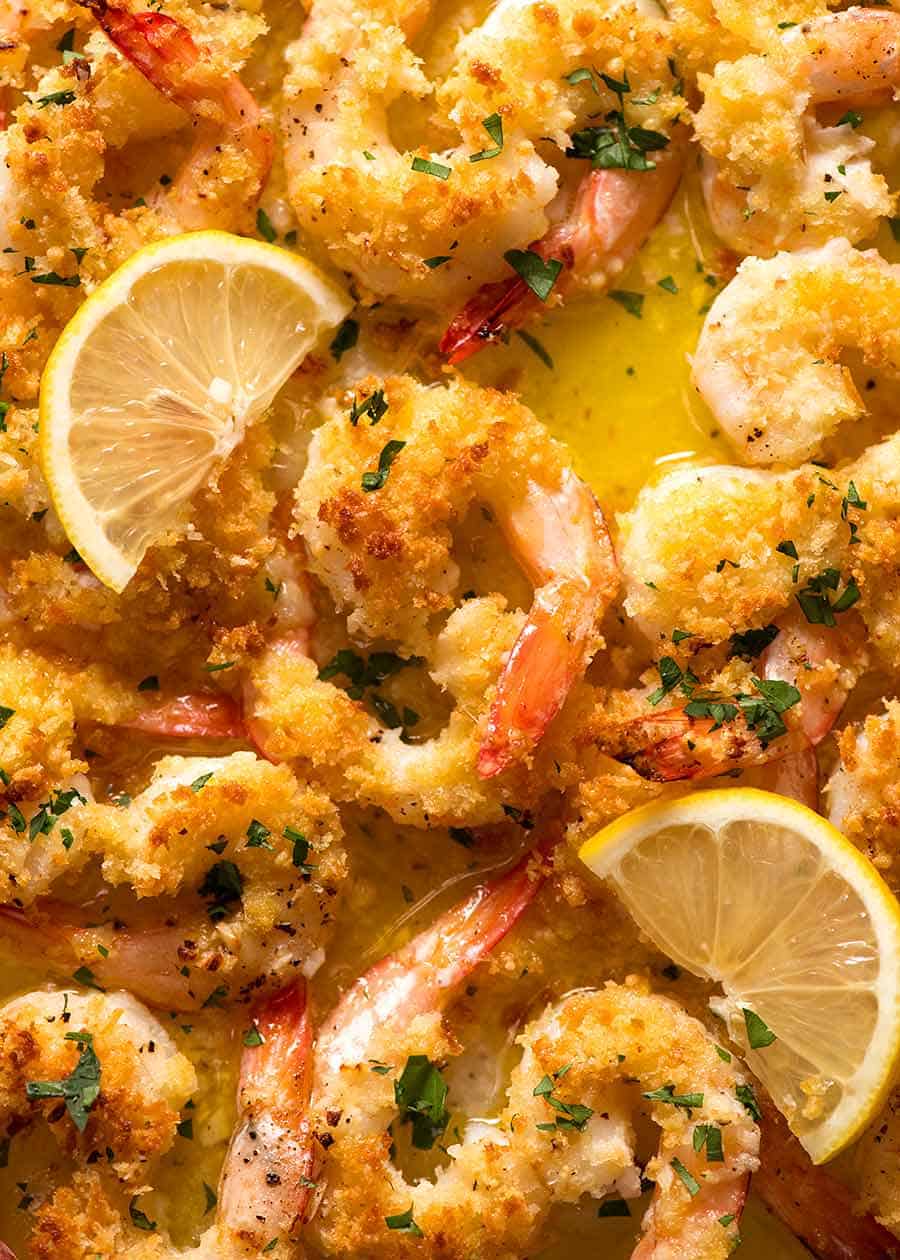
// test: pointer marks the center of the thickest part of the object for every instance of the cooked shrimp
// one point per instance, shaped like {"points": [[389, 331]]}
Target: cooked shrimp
{"points": [[252, 859], [710, 550], [597, 229], [504, 1175], [264, 1181], [863, 793], [815, 1206], [387, 555], [505, 114], [133, 1079], [220, 181], [776, 178], [768, 359]]}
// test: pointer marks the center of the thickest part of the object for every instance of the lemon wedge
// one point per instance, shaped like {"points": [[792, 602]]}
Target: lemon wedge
{"points": [[156, 378], [762, 895]]}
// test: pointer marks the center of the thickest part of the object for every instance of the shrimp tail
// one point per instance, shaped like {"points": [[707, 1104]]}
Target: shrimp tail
{"points": [[273, 1133], [419, 976], [489, 316], [562, 541], [138, 961], [611, 216], [815, 1206], [150, 41], [545, 660], [204, 715]]}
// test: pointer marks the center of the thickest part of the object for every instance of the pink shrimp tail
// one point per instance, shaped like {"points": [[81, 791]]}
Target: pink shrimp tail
{"points": [[203, 715], [146, 39], [420, 976], [536, 679], [488, 316], [273, 1097], [815, 1206], [6, 1253], [51, 934]]}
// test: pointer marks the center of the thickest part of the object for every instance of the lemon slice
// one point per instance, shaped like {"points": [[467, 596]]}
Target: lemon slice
{"points": [[762, 895], [156, 378]]}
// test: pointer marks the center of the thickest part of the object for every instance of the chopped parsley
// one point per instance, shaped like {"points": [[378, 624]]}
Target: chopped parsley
{"points": [[345, 339], [759, 1034], [494, 127], [80, 1088], [139, 1219], [746, 1096], [253, 1037], [201, 781], [56, 98], [710, 1136], [404, 1222], [427, 167], [667, 1094], [691, 1183], [633, 303], [614, 145], [300, 851], [224, 885], [264, 226], [816, 603], [376, 480], [375, 407], [421, 1093], [568, 1115], [258, 836], [752, 643], [538, 273]]}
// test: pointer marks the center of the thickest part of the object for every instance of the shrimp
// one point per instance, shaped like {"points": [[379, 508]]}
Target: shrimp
{"points": [[220, 181], [775, 178], [813, 1204], [711, 551], [429, 228], [768, 359], [263, 1184], [598, 229], [129, 1088], [863, 793], [387, 555], [545, 1147], [251, 860]]}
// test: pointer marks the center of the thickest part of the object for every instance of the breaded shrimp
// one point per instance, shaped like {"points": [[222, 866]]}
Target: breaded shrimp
{"points": [[863, 793], [564, 1131], [220, 181], [252, 860], [768, 359], [711, 550], [264, 1182], [430, 226], [385, 551], [777, 179], [133, 1079]]}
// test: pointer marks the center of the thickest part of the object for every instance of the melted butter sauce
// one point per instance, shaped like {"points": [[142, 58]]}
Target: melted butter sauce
{"points": [[619, 392]]}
